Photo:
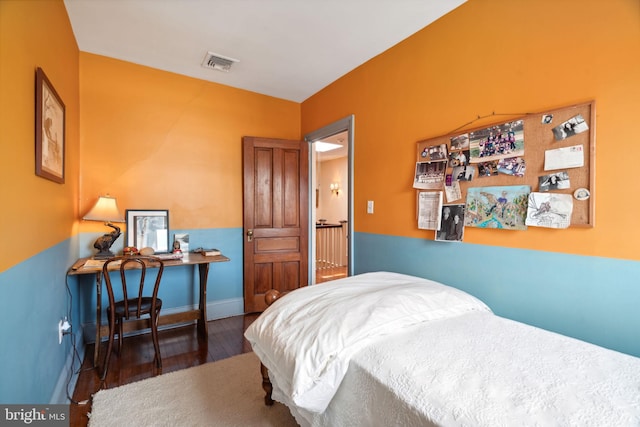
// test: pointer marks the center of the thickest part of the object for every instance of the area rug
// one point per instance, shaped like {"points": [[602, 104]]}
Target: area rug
{"points": [[224, 393]]}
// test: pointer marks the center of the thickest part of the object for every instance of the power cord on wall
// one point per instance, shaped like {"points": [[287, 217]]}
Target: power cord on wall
{"points": [[76, 356]]}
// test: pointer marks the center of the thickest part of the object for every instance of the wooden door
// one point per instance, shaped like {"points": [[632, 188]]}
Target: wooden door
{"points": [[276, 216]]}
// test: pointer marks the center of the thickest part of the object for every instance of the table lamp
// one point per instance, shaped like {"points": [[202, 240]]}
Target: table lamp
{"points": [[105, 210]]}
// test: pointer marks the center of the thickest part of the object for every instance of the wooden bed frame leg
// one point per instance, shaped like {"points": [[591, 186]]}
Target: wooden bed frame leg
{"points": [[266, 385], [269, 297]]}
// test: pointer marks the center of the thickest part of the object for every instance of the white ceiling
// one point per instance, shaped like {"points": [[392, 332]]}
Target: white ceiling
{"points": [[288, 49]]}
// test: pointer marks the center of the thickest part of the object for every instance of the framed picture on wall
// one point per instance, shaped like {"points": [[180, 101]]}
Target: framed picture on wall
{"points": [[148, 229], [50, 130]]}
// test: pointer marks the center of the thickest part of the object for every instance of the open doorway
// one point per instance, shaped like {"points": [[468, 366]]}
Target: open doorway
{"points": [[330, 210]]}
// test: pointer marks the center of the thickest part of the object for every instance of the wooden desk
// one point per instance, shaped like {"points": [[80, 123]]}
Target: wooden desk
{"points": [[199, 314]]}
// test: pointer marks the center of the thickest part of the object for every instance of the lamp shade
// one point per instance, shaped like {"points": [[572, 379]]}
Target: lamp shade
{"points": [[106, 210]]}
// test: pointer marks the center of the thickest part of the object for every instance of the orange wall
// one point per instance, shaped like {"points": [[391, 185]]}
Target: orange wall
{"points": [[502, 56], [36, 213], [157, 140]]}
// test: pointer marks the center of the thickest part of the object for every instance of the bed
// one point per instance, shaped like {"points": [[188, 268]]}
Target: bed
{"points": [[383, 349]]}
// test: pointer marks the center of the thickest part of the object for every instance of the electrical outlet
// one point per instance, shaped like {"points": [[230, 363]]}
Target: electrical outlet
{"points": [[370, 207], [64, 327]]}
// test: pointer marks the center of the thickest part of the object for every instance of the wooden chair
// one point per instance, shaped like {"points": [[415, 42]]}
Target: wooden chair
{"points": [[136, 300]]}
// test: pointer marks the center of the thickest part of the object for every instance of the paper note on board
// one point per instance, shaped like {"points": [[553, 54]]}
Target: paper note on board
{"points": [[561, 158], [429, 210], [453, 192]]}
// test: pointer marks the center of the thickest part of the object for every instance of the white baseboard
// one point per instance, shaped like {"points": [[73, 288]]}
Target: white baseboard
{"points": [[225, 308]]}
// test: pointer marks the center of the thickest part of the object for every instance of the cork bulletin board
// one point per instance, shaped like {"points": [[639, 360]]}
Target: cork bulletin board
{"points": [[538, 137]]}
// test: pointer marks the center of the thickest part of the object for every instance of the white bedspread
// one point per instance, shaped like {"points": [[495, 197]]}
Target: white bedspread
{"points": [[307, 338], [479, 369], [420, 353]]}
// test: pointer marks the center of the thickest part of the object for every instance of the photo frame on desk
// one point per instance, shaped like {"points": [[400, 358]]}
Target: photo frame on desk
{"points": [[50, 130], [148, 229]]}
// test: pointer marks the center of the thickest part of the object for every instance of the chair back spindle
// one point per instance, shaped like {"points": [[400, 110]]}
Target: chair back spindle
{"points": [[133, 306]]}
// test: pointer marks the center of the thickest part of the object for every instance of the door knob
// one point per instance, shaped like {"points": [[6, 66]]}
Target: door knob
{"points": [[249, 235]]}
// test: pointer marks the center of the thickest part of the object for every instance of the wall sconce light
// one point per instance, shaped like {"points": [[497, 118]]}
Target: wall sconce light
{"points": [[335, 188], [105, 210]]}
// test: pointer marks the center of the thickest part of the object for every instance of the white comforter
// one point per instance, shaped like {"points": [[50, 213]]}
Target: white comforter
{"points": [[479, 370], [307, 338], [420, 353]]}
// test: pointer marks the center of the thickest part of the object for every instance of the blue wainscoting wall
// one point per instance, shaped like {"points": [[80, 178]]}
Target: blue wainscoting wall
{"points": [[33, 299], [591, 298], [36, 294]]}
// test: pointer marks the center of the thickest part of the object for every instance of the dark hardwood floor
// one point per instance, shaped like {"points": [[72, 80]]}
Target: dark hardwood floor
{"points": [[181, 348]]}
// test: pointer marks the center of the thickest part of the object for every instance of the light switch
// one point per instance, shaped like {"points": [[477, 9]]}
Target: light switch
{"points": [[370, 206]]}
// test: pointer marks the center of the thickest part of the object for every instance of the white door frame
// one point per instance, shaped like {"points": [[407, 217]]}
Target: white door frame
{"points": [[342, 125]]}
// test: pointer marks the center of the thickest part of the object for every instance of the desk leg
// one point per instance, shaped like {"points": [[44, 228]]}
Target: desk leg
{"points": [[96, 348], [202, 320]]}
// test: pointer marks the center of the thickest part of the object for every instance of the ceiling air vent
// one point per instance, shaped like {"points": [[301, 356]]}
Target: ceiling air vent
{"points": [[218, 62]]}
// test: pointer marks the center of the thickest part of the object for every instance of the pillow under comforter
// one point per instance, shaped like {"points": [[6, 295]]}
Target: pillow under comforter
{"points": [[307, 337]]}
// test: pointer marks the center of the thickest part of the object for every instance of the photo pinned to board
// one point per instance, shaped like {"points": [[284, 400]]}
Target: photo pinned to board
{"points": [[460, 142], [464, 173], [429, 175], [451, 224], [434, 153], [514, 166], [458, 158], [573, 126], [486, 169], [554, 181], [497, 142], [550, 210], [503, 207]]}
